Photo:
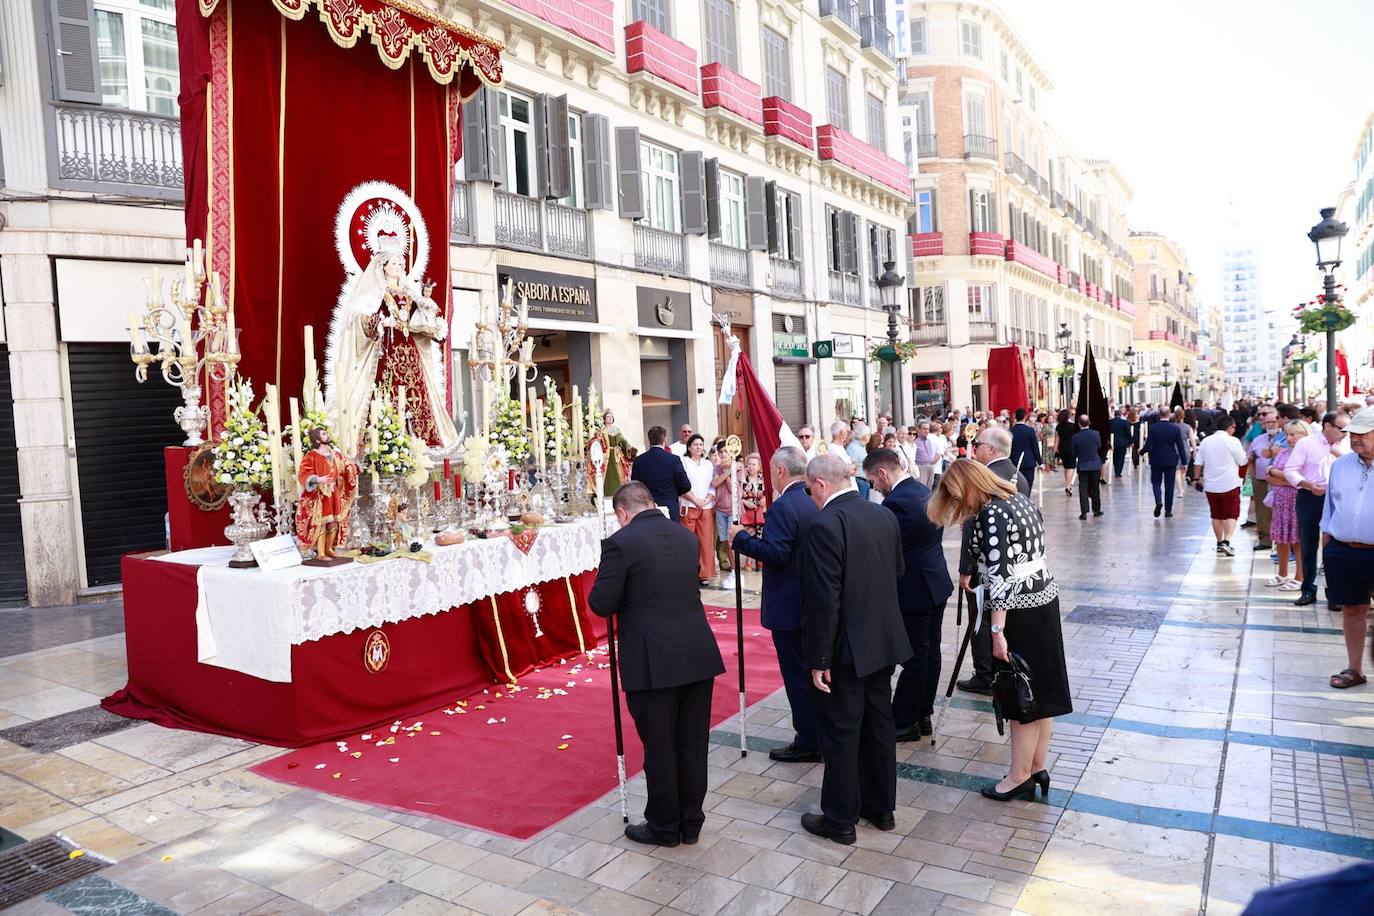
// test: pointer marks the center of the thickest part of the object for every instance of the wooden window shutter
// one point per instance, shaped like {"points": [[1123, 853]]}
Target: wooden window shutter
{"points": [[76, 66], [712, 199], [774, 214], [627, 171], [693, 183], [596, 162], [756, 213]]}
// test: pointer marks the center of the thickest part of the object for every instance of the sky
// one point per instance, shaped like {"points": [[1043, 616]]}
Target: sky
{"points": [[1211, 107]]}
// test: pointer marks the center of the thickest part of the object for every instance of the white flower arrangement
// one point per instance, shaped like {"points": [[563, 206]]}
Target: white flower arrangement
{"points": [[393, 455], [475, 450], [508, 431], [421, 464], [241, 459]]}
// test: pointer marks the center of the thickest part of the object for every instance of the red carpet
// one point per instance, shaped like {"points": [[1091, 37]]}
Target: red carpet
{"points": [[549, 752]]}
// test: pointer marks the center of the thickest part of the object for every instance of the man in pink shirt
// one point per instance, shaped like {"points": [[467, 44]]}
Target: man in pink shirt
{"points": [[1307, 470]]}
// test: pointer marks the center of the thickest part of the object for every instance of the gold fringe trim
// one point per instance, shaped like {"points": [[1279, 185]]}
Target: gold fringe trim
{"points": [[501, 641], [577, 622]]}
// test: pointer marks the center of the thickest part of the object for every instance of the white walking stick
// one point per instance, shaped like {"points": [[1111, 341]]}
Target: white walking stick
{"points": [[733, 447]]}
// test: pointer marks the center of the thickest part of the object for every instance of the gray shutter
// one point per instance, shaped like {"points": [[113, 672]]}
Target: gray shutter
{"points": [[756, 213], [693, 165], [543, 132], [972, 212], [774, 215], [849, 236], [552, 146], [712, 199], [874, 251], [627, 172], [832, 262], [596, 162], [484, 156], [992, 211], [793, 221], [75, 64]]}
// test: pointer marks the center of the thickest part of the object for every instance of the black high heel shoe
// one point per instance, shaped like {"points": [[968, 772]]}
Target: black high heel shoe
{"points": [[1026, 788], [1042, 779]]}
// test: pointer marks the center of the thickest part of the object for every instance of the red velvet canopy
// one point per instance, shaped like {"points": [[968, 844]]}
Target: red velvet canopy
{"points": [[281, 117]]}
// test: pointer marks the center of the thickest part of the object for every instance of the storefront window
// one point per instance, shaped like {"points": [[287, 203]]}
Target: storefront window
{"points": [[850, 385]]}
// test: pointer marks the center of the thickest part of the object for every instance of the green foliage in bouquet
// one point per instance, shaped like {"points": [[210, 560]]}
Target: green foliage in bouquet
{"points": [[1329, 317], [393, 456], [508, 430], [240, 455]]}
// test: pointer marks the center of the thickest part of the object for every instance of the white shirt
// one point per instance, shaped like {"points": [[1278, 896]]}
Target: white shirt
{"points": [[838, 493], [1221, 458], [700, 474], [906, 451], [941, 445], [677, 448]]}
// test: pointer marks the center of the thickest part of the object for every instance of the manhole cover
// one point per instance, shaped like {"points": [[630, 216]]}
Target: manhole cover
{"points": [[41, 865], [1097, 615]]}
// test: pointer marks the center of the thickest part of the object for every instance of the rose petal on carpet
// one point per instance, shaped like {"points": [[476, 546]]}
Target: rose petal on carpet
{"points": [[515, 762]]}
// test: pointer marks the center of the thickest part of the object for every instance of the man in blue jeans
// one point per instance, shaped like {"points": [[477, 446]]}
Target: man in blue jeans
{"points": [[1166, 449]]}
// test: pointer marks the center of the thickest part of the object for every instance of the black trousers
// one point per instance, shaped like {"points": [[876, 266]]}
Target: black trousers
{"points": [[1309, 506], [674, 724], [1089, 491], [914, 696], [981, 644], [796, 680], [859, 745], [1119, 458]]}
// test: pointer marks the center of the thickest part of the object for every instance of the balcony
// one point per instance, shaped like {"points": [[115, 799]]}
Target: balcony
{"points": [[116, 151], [1014, 165], [1058, 201], [844, 287], [928, 244], [840, 146], [842, 11], [787, 276], [927, 146], [874, 34], [930, 334], [976, 146], [982, 331], [783, 119], [590, 20], [647, 50], [1027, 256], [1125, 306], [460, 228], [538, 225], [730, 265], [987, 244], [722, 87], [660, 251]]}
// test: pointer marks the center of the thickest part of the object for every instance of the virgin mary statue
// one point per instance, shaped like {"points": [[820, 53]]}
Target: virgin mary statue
{"points": [[387, 330]]}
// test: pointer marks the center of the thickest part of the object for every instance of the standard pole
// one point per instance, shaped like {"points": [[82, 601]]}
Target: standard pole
{"points": [[615, 708], [739, 617], [1329, 295]]}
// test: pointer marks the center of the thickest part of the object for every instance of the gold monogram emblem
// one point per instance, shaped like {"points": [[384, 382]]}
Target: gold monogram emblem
{"points": [[376, 652]]}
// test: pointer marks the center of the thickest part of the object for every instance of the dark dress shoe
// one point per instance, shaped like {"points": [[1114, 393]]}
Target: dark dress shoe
{"points": [[910, 733], [927, 729], [1097, 515], [643, 833], [1159, 507], [1248, 525], [886, 821], [690, 839], [1082, 516], [1304, 600], [793, 754], [818, 825], [975, 684]]}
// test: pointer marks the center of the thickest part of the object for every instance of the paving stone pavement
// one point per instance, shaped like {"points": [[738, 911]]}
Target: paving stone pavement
{"points": [[1206, 758]]}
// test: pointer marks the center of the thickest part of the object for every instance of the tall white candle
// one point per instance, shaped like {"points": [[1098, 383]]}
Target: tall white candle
{"points": [[372, 427], [232, 344], [311, 378], [557, 430], [537, 413], [269, 406], [526, 357], [577, 425], [198, 257], [296, 433], [401, 407], [136, 334]]}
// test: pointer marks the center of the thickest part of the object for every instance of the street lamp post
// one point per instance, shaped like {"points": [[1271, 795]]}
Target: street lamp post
{"points": [[1062, 336], [1165, 386], [1327, 236], [1130, 370], [1187, 384], [888, 286]]}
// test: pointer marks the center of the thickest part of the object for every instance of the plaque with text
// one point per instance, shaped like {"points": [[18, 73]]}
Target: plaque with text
{"points": [[552, 297]]}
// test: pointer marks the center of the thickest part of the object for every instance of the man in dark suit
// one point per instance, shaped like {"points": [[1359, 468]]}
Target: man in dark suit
{"points": [[922, 591], [850, 564], [662, 472], [1121, 441], [1087, 449], [784, 530], [1025, 447], [668, 659], [1166, 449], [990, 448]]}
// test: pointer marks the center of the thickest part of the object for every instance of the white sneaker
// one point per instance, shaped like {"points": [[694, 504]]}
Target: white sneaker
{"points": [[1274, 581], [1226, 549], [1290, 585]]}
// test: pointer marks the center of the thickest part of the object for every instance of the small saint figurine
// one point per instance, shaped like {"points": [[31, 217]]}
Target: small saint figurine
{"points": [[329, 483], [617, 451]]}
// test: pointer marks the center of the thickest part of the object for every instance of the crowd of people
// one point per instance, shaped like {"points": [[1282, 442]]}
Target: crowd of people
{"points": [[848, 533]]}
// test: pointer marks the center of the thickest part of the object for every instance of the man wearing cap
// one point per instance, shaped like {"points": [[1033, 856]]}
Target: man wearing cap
{"points": [[1347, 534]]}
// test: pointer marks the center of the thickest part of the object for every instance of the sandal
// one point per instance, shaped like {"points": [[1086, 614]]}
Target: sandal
{"points": [[1347, 678], [1274, 581]]}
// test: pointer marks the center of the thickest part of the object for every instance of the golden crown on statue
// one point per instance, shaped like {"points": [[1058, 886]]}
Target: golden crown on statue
{"points": [[385, 231]]}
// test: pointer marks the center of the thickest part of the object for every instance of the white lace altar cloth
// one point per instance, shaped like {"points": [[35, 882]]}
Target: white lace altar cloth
{"points": [[248, 619]]}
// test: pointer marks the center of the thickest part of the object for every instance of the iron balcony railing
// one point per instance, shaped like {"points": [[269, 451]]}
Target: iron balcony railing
{"points": [[982, 331], [659, 250], [787, 276], [114, 150], [926, 146], [874, 33], [1014, 165], [540, 225], [976, 146], [1058, 201], [730, 265], [933, 333], [847, 11], [461, 228], [566, 230], [844, 287]]}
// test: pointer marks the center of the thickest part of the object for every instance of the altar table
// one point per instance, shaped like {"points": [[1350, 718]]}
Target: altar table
{"points": [[293, 657]]}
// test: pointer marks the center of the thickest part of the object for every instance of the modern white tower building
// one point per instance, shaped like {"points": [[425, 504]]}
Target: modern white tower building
{"points": [[1251, 357]]}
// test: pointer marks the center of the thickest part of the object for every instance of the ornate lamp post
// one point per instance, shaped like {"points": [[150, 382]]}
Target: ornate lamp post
{"points": [[889, 286], [1165, 385], [1062, 336], [1187, 383], [1130, 370], [1327, 236]]}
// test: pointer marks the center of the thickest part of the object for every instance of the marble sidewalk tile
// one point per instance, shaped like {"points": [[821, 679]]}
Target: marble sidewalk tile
{"points": [[1055, 898], [858, 893], [51, 701], [707, 895], [130, 769], [171, 749], [812, 880]]}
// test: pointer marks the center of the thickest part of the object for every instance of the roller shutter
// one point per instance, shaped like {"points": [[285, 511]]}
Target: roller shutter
{"points": [[13, 585], [121, 428], [791, 392]]}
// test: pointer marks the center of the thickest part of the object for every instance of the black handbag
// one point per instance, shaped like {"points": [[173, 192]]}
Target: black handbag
{"points": [[1013, 697]]}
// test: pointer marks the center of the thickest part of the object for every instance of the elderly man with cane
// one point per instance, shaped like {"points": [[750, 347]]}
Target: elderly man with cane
{"points": [[668, 659]]}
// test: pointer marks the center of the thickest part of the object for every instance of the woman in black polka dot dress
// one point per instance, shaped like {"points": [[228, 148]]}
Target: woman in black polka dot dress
{"points": [[1020, 603]]}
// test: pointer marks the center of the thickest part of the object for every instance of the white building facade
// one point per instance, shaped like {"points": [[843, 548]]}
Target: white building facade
{"points": [[1252, 357]]}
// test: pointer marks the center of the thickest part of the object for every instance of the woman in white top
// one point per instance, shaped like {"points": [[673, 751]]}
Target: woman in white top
{"points": [[939, 443], [697, 504]]}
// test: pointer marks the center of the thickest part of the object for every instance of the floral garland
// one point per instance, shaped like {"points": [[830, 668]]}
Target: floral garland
{"points": [[508, 430], [1129, 379], [241, 457], [394, 455], [1325, 316], [901, 351], [1066, 372]]}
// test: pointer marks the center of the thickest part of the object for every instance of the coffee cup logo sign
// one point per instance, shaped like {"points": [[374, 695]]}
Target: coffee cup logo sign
{"points": [[664, 311]]}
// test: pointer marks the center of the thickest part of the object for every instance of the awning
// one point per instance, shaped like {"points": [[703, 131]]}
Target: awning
{"points": [[398, 26]]}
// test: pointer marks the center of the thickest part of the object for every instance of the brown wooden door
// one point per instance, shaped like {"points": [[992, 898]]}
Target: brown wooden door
{"points": [[732, 419]]}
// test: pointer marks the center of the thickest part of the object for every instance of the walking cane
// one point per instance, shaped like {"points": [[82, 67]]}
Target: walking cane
{"points": [[958, 662], [733, 447], [615, 708]]}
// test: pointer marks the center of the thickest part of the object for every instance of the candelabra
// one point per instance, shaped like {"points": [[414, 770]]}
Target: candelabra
{"points": [[183, 353], [500, 353]]}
